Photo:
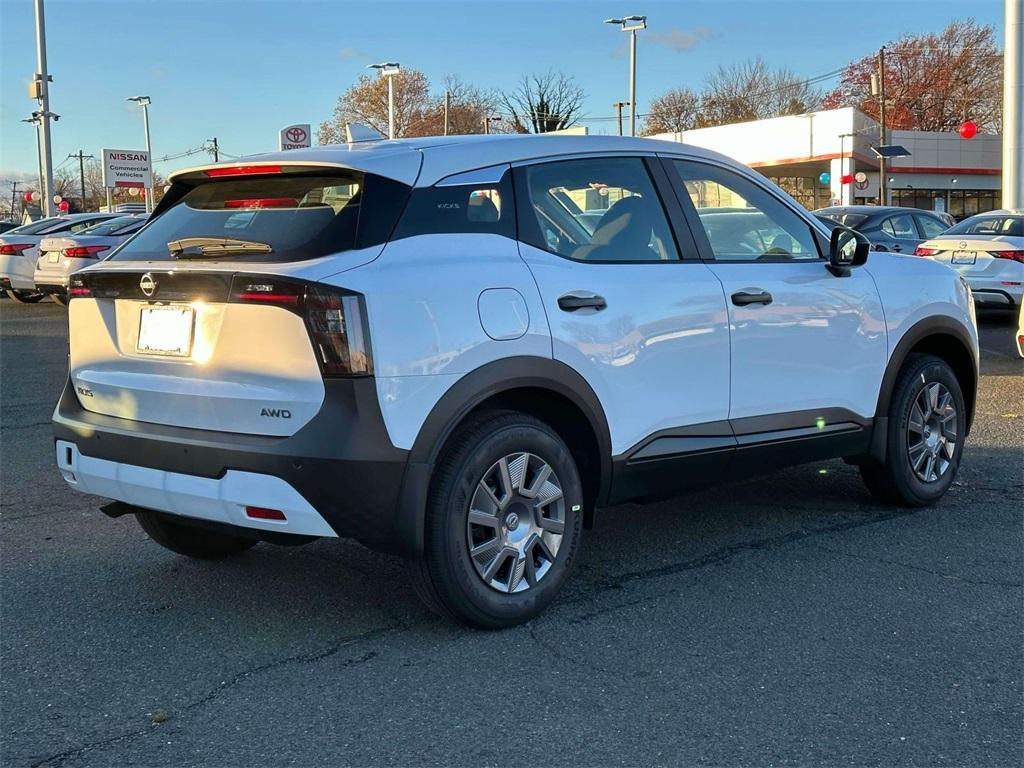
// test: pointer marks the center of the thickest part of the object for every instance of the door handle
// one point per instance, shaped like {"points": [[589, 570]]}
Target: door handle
{"points": [[571, 302], [897, 247], [743, 298]]}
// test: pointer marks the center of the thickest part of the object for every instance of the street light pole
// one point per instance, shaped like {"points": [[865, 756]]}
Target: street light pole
{"points": [[41, 92], [631, 24], [35, 120], [389, 69], [1013, 106], [144, 102]]}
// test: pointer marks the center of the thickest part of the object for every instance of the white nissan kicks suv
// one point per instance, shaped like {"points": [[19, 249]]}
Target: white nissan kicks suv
{"points": [[455, 349]]}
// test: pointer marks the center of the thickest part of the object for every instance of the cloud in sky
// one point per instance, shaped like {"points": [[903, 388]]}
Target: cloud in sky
{"points": [[680, 39]]}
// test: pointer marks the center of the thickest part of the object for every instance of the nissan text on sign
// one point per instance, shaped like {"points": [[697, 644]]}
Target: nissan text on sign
{"points": [[127, 168], [294, 137]]}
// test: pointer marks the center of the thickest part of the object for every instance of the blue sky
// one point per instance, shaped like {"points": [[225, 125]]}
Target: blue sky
{"points": [[240, 70]]}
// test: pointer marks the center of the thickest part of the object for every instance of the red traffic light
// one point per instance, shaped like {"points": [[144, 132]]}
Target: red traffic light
{"points": [[968, 129]]}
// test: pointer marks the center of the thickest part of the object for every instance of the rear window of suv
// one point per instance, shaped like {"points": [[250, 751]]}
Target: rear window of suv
{"points": [[281, 217]]}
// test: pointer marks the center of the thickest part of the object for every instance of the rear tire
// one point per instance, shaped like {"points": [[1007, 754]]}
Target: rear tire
{"points": [[519, 480], [191, 540], [925, 438], [25, 297]]}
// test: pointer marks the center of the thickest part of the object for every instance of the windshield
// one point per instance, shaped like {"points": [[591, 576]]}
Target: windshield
{"points": [[36, 226], [122, 225], [284, 217], [989, 225]]}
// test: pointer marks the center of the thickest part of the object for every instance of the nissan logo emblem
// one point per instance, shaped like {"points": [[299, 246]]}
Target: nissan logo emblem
{"points": [[148, 285]]}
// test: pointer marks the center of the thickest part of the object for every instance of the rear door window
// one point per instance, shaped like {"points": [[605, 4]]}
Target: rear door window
{"points": [[283, 217], [600, 209], [900, 226]]}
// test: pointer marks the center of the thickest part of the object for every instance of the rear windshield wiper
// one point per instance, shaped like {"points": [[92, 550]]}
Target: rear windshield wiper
{"points": [[212, 247]]}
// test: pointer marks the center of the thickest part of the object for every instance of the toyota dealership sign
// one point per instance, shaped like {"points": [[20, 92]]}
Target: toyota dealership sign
{"points": [[294, 137], [127, 168]]}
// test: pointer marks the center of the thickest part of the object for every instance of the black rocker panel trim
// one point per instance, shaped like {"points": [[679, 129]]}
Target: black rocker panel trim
{"points": [[701, 454]]}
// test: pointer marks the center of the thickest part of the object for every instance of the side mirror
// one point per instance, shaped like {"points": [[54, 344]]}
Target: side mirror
{"points": [[847, 249]]}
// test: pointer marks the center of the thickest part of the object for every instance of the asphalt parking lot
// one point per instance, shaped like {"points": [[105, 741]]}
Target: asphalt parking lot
{"points": [[789, 620]]}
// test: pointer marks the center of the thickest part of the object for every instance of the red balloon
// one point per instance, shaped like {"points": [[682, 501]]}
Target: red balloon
{"points": [[968, 129], [846, 179], [64, 205], [28, 197]]}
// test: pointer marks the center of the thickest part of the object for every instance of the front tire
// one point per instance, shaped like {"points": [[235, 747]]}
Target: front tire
{"points": [[925, 439], [503, 522], [25, 297], [191, 540]]}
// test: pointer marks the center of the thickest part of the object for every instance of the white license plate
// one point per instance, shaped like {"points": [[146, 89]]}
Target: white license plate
{"points": [[53, 257], [166, 330], [965, 257]]}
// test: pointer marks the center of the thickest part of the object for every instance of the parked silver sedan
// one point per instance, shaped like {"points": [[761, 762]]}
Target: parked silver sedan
{"points": [[60, 256]]}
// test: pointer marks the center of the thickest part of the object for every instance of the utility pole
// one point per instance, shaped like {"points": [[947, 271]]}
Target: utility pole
{"points": [[1013, 106], [618, 105], [81, 171], [41, 92], [215, 149], [883, 198], [14, 197], [447, 107]]}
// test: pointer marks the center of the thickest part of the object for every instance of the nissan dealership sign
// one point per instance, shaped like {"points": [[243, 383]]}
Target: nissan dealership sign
{"points": [[127, 168], [294, 137]]}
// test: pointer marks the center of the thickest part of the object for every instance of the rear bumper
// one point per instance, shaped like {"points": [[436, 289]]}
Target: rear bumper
{"points": [[18, 270], [340, 470]]}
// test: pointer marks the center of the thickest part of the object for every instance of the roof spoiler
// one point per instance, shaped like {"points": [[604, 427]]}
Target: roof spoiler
{"points": [[356, 132]]}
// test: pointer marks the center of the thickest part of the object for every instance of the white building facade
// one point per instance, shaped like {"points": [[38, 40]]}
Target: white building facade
{"points": [[943, 172]]}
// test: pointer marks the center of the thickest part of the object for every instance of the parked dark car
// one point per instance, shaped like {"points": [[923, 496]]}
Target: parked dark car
{"points": [[889, 228]]}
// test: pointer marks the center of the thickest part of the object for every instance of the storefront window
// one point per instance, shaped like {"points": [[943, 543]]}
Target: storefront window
{"points": [[803, 190]]}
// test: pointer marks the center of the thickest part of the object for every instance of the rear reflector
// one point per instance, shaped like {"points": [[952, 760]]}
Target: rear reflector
{"points": [[1012, 255], [925, 251], [262, 513], [85, 251], [263, 202], [11, 249], [242, 170]]}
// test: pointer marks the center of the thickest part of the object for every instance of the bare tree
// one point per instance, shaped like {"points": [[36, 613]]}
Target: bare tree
{"points": [[543, 103], [367, 102], [678, 109], [754, 91], [933, 82]]}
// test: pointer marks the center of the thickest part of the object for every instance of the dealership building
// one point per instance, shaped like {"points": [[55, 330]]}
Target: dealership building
{"points": [[942, 172]]}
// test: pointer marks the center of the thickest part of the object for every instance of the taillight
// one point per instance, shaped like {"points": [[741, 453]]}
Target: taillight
{"points": [[337, 324], [13, 249], [919, 251], [335, 319], [85, 251], [77, 289], [263, 202], [242, 170], [1012, 255]]}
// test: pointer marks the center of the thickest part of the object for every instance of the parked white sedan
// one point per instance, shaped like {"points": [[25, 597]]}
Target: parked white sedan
{"points": [[61, 255], [988, 250], [19, 249]]}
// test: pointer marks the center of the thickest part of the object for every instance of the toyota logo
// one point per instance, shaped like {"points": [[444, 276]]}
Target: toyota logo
{"points": [[148, 285], [295, 135]]}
